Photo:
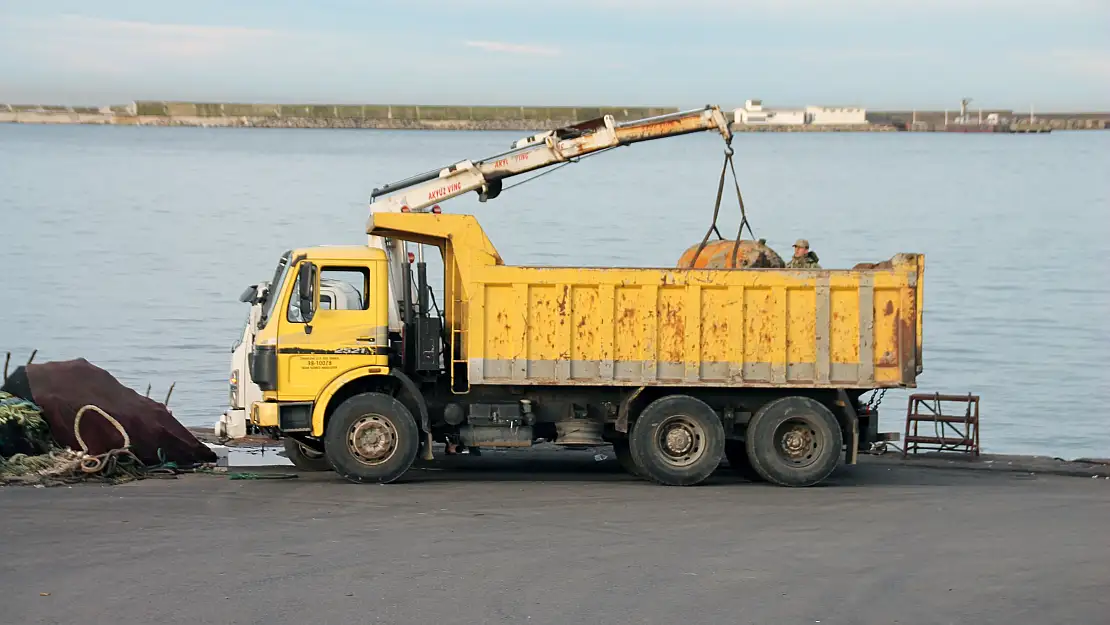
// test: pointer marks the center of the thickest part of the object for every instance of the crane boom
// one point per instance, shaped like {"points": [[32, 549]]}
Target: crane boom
{"points": [[423, 191], [536, 152]]}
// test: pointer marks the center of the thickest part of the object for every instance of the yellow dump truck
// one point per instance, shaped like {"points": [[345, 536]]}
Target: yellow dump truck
{"points": [[676, 368]]}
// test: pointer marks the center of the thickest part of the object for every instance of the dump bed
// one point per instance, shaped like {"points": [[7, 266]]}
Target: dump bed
{"points": [[858, 328]]}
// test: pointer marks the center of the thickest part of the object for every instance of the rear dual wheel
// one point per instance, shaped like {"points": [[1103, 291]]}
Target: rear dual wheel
{"points": [[624, 457], [737, 455], [677, 441], [794, 441]]}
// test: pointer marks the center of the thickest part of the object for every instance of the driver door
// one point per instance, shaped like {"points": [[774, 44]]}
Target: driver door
{"points": [[343, 334]]}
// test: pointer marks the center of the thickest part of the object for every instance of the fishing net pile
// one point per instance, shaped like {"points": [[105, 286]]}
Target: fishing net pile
{"points": [[70, 421]]}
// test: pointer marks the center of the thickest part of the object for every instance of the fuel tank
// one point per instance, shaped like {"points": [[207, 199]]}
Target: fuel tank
{"points": [[719, 255]]}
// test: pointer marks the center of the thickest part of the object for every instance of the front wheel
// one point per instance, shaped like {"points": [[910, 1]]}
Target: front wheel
{"points": [[677, 441], [794, 441], [304, 458], [372, 438]]}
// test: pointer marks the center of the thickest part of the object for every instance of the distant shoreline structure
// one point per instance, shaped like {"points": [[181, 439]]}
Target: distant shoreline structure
{"points": [[523, 118]]}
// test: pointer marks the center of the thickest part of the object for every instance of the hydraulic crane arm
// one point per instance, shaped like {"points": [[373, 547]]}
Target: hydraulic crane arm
{"points": [[536, 152], [419, 193]]}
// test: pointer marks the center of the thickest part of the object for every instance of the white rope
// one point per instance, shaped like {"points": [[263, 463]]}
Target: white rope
{"points": [[110, 418]]}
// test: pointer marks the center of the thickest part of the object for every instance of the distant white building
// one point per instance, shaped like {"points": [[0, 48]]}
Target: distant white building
{"points": [[836, 115], [795, 117], [753, 113]]}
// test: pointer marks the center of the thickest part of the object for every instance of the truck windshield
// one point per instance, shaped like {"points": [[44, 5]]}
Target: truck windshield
{"points": [[275, 288]]}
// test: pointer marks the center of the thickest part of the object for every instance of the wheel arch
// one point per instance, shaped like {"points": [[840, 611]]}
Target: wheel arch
{"points": [[634, 403], [346, 385]]}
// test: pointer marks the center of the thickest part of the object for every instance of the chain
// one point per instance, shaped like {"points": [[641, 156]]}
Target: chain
{"points": [[725, 168], [873, 403]]}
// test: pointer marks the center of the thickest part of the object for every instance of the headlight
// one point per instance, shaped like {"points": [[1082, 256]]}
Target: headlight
{"points": [[233, 390]]}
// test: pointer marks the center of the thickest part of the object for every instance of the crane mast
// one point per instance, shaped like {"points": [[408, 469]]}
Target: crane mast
{"points": [[422, 192]]}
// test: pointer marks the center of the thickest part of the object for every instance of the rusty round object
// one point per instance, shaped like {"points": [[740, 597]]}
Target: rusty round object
{"points": [[797, 442], [681, 440], [719, 255], [372, 439]]}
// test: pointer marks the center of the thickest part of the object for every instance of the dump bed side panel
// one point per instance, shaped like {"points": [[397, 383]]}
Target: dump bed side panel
{"points": [[694, 328]]}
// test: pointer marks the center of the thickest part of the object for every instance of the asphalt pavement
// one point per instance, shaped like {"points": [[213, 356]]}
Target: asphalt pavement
{"points": [[560, 538]]}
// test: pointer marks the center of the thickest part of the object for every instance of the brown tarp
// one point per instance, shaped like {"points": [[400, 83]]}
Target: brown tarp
{"points": [[62, 388]]}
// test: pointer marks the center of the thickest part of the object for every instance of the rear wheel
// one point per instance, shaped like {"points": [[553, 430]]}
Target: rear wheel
{"points": [[794, 441], [737, 455], [624, 457], [677, 441], [372, 437], [304, 458]]}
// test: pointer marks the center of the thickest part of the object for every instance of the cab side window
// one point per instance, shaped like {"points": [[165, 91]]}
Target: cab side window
{"points": [[347, 287]]}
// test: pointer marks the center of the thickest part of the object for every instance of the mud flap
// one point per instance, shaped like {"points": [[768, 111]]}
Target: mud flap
{"points": [[849, 422], [422, 408], [623, 409]]}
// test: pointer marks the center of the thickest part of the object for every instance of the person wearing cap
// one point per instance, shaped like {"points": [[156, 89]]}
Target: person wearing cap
{"points": [[804, 258]]}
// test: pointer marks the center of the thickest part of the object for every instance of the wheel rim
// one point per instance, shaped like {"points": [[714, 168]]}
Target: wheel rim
{"points": [[681, 441], [798, 443], [372, 440]]}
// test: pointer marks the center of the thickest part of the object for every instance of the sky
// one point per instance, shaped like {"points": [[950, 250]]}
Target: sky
{"points": [[881, 54]]}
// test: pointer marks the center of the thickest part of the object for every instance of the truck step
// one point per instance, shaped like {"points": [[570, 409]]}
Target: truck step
{"points": [[950, 431]]}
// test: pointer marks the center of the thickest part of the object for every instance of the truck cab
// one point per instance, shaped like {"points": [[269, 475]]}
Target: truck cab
{"points": [[316, 339], [242, 389]]}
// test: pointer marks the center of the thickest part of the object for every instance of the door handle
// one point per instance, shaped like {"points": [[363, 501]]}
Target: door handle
{"points": [[366, 339]]}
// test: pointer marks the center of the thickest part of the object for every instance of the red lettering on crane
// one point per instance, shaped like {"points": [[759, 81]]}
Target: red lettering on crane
{"points": [[504, 162], [521, 157], [443, 191]]}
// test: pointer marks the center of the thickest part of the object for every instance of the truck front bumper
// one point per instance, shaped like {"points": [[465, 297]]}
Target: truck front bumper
{"points": [[264, 414], [232, 424]]}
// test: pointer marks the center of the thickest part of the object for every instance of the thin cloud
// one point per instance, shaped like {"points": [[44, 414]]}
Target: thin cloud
{"points": [[99, 43], [798, 9], [1091, 63], [513, 48], [193, 31]]}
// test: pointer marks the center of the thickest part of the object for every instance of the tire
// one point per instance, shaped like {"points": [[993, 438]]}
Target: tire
{"points": [[794, 441], [737, 455], [677, 441], [624, 457], [304, 458], [371, 438]]}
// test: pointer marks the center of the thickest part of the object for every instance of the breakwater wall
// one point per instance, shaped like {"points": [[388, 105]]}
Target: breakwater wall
{"points": [[868, 127], [391, 116], [163, 113], [393, 113], [934, 120]]}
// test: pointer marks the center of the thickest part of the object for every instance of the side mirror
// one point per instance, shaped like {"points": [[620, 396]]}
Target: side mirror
{"points": [[306, 282], [249, 295]]}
